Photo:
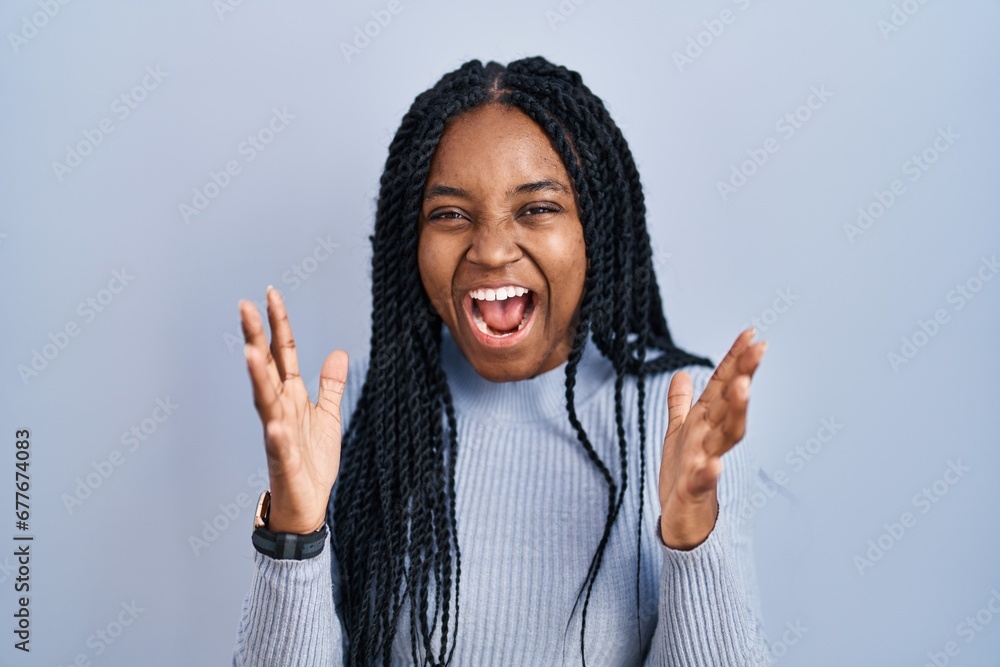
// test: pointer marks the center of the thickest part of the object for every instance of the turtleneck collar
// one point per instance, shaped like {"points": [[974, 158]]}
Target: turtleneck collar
{"points": [[538, 398]]}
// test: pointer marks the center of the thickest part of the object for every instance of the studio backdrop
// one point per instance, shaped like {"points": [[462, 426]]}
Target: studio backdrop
{"points": [[826, 172]]}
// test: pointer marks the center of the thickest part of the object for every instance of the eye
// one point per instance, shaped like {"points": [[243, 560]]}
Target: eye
{"points": [[448, 220], [446, 215], [541, 209]]}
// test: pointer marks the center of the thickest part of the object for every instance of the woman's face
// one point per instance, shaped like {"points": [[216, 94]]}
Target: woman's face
{"points": [[501, 251]]}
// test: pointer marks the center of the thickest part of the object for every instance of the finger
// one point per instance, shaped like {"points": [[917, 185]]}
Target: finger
{"points": [[282, 343], [679, 395], [253, 333], [749, 361], [253, 330], [735, 426], [728, 366], [729, 426], [265, 397], [718, 407], [332, 380]]}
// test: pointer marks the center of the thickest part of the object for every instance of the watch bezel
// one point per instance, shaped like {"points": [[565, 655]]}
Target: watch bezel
{"points": [[263, 508]]}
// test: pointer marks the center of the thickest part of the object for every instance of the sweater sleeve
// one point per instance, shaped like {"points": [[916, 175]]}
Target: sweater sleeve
{"points": [[288, 616], [708, 610], [291, 615]]}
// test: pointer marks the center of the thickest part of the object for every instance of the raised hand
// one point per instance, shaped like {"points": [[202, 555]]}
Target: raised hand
{"points": [[301, 439], [697, 437]]}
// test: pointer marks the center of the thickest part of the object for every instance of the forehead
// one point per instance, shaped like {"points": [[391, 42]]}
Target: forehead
{"points": [[495, 143]]}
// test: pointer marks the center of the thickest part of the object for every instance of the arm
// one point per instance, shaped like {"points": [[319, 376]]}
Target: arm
{"points": [[708, 608], [288, 615], [708, 611], [291, 615]]}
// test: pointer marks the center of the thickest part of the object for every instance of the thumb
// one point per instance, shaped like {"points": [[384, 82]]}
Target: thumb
{"points": [[679, 396], [332, 380]]}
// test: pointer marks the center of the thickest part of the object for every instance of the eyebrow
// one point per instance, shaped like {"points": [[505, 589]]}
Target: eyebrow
{"points": [[436, 191]]}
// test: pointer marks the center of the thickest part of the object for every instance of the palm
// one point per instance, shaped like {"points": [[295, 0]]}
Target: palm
{"points": [[697, 437], [301, 438]]}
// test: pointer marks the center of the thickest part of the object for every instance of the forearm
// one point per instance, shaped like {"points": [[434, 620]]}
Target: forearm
{"points": [[704, 611], [288, 615]]}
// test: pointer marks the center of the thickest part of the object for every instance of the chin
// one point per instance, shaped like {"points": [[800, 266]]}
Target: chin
{"points": [[503, 367]]}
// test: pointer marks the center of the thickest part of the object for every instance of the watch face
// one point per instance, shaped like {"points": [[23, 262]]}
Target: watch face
{"points": [[263, 505]]}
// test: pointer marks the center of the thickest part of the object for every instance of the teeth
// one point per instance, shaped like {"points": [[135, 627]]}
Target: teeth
{"points": [[498, 294]]}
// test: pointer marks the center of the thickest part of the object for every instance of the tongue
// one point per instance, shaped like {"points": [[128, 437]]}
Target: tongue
{"points": [[506, 315]]}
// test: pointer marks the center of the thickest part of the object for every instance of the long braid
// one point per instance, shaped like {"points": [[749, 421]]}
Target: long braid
{"points": [[393, 511], [617, 307]]}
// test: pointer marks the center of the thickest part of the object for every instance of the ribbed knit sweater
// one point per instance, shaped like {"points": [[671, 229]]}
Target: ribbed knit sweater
{"points": [[530, 511]]}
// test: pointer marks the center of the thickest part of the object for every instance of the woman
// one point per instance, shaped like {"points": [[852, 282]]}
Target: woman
{"points": [[490, 504]]}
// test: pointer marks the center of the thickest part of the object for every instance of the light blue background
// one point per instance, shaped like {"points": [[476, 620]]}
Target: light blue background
{"points": [[173, 331]]}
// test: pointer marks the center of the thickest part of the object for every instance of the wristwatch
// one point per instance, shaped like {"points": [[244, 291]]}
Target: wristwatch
{"points": [[283, 546]]}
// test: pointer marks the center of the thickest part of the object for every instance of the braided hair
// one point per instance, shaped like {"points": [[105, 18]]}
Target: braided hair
{"points": [[394, 505]]}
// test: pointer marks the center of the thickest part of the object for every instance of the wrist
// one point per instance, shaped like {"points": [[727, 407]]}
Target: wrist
{"points": [[274, 541], [688, 527], [279, 521], [279, 524]]}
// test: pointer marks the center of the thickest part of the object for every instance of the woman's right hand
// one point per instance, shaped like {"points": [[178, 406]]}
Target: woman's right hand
{"points": [[301, 439]]}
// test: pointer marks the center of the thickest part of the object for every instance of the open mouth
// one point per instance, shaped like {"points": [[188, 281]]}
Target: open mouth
{"points": [[501, 312]]}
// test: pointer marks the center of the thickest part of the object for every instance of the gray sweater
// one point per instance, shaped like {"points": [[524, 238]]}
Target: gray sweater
{"points": [[530, 511]]}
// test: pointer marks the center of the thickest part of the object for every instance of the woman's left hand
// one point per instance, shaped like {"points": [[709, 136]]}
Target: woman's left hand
{"points": [[697, 437]]}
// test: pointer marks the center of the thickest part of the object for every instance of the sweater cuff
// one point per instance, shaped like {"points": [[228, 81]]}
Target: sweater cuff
{"points": [[690, 567], [289, 613], [701, 597]]}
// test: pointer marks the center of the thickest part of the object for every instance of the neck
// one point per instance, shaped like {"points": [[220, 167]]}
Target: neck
{"points": [[537, 398]]}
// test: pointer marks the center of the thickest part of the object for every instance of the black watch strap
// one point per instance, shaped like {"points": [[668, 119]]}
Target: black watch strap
{"points": [[289, 546]]}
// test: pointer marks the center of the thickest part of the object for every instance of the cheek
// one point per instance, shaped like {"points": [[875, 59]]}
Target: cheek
{"points": [[434, 275], [578, 278], [568, 273]]}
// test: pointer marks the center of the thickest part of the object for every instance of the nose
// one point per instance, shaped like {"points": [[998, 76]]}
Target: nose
{"points": [[494, 245]]}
